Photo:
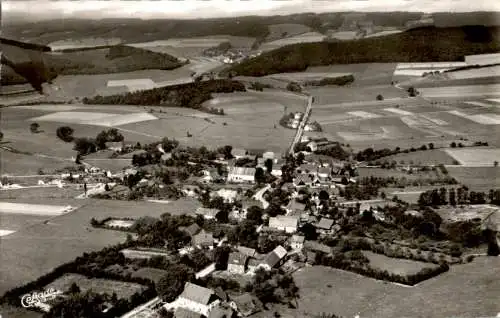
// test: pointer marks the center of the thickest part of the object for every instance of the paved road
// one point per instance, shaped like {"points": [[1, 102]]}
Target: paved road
{"points": [[300, 129]]}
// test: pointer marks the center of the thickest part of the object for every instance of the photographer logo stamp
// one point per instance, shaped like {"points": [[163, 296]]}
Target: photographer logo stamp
{"points": [[36, 298]]}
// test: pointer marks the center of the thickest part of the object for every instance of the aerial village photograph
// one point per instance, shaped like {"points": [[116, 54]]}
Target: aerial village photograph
{"points": [[263, 159]]}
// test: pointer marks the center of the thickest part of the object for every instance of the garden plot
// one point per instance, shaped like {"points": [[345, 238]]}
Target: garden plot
{"points": [[34, 209], [484, 119], [123, 290], [475, 156], [96, 119], [461, 91]]}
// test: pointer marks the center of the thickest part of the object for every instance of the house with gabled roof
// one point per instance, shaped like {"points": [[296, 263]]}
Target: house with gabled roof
{"points": [[246, 304], [197, 299], [241, 174], [238, 153], [207, 213], [295, 207], [285, 223], [250, 252], [324, 225], [297, 242], [191, 230], [203, 239], [274, 259], [237, 263]]}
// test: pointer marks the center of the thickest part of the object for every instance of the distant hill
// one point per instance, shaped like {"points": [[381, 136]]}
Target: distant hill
{"points": [[426, 44], [34, 64]]}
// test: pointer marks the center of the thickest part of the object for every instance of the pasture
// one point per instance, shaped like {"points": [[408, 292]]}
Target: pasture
{"points": [[475, 156], [395, 265], [328, 290], [427, 157], [34, 250], [123, 290], [301, 38]]}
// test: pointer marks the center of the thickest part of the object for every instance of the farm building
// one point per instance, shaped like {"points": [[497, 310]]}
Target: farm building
{"points": [[227, 194], [294, 207], [191, 230], [207, 213], [206, 271], [247, 251], [297, 242], [238, 153], [303, 180], [275, 258], [324, 225], [203, 239], [198, 299], [237, 263], [241, 174], [284, 223], [246, 304]]}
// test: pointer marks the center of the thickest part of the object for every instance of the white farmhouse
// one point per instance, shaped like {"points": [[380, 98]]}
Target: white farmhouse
{"points": [[288, 224], [198, 299], [241, 174]]}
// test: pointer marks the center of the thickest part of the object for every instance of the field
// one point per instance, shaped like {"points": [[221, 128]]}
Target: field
{"points": [[97, 119], [387, 173], [327, 290], [278, 31], [123, 290], [302, 38], [395, 265], [427, 157], [475, 156], [477, 178], [462, 91], [82, 43], [37, 246], [34, 209]]}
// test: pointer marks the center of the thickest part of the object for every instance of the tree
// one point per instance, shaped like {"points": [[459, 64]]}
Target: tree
{"points": [[495, 163], [34, 127], [412, 92], [269, 165], [309, 232], [294, 87], [1, 136], [452, 197], [221, 256], [65, 133], [74, 289], [259, 175], [172, 284], [323, 195], [431, 145], [453, 145], [254, 214], [380, 97], [84, 146], [300, 158]]}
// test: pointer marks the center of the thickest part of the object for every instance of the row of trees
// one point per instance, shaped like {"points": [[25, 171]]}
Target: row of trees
{"points": [[459, 196]]}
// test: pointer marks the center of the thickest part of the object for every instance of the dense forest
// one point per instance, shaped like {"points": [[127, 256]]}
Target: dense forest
{"points": [[426, 44], [190, 95]]}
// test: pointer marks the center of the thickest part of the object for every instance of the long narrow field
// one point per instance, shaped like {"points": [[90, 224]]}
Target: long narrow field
{"points": [[34, 250], [475, 156], [477, 178]]}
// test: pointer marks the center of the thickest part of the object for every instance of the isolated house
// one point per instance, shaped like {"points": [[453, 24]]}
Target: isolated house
{"points": [[198, 299], [297, 242], [275, 258], [208, 214], [288, 224], [241, 174], [237, 263]]}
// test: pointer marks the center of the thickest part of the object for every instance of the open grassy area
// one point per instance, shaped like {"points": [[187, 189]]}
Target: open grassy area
{"points": [[102, 286], [477, 178], [328, 290], [428, 157], [32, 251], [395, 265]]}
